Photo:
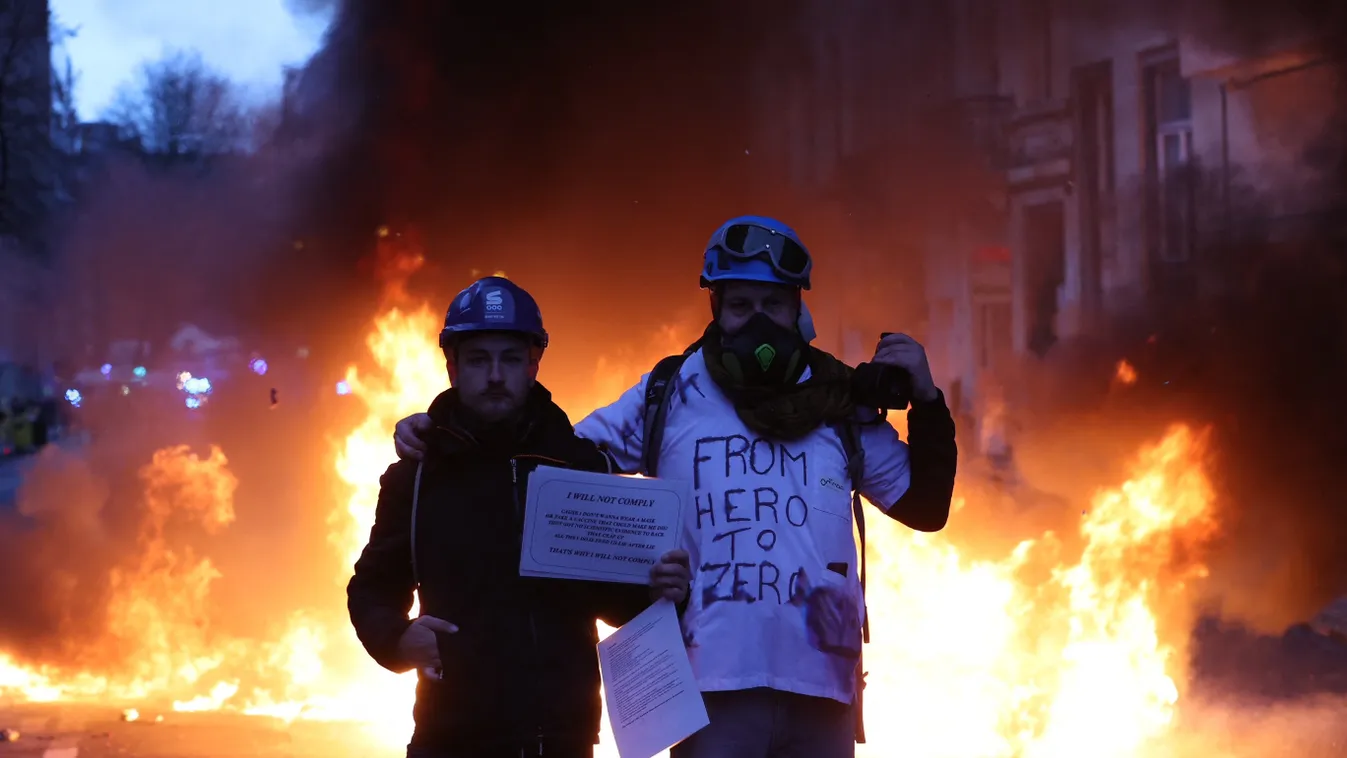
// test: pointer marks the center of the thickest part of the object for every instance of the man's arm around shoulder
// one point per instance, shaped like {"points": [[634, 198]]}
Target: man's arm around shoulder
{"points": [[380, 593]]}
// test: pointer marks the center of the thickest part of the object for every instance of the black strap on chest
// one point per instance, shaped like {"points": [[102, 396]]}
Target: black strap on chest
{"points": [[416, 501], [850, 434], [658, 392]]}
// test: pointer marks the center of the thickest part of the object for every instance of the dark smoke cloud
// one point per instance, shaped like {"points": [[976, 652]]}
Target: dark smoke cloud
{"points": [[1236, 26], [120, 506], [1266, 362], [50, 596], [574, 145], [147, 245], [588, 149], [580, 146], [1272, 382], [1264, 358], [510, 136], [153, 248], [591, 148]]}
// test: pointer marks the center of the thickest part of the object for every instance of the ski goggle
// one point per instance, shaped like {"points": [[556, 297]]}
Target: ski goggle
{"points": [[750, 241]]}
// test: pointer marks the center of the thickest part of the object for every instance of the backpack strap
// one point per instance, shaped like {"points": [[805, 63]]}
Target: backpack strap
{"points": [[657, 392], [416, 498], [850, 433]]}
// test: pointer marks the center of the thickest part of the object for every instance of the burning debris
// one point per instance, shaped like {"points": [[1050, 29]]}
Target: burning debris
{"points": [[1126, 373], [1047, 647], [1073, 640]]}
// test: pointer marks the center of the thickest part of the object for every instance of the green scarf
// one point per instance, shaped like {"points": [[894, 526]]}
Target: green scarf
{"points": [[790, 411]]}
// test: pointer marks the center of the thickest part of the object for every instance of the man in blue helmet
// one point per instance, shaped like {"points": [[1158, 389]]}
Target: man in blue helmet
{"points": [[780, 440], [506, 663]]}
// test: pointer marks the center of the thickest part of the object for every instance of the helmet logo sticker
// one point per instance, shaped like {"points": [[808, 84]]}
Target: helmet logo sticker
{"points": [[496, 306]]}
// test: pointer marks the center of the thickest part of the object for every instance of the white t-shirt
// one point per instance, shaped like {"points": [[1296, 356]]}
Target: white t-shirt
{"points": [[776, 596]]}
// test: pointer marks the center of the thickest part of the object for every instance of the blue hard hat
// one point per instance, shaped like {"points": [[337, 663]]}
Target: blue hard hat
{"points": [[756, 249], [494, 304]]}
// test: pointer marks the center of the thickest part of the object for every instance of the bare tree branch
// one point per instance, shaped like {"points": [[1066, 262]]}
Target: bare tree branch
{"points": [[25, 108], [15, 16], [65, 114], [178, 107]]}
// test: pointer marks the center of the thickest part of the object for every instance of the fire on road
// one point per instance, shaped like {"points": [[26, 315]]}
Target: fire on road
{"points": [[1067, 643], [74, 731]]}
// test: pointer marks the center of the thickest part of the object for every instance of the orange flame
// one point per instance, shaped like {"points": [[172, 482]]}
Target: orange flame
{"points": [[978, 657], [1047, 651], [1125, 373]]}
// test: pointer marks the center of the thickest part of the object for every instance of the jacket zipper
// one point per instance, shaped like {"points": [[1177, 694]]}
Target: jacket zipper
{"points": [[514, 490], [533, 627]]}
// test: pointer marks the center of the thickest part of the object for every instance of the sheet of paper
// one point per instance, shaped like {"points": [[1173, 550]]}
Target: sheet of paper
{"points": [[605, 527], [649, 693]]}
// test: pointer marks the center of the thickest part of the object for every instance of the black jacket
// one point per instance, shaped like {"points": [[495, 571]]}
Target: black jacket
{"points": [[934, 460], [523, 665]]}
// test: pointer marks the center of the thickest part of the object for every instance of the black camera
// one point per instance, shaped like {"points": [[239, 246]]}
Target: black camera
{"points": [[880, 386]]}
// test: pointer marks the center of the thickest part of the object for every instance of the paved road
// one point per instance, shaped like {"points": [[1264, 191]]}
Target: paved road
{"points": [[65, 731]]}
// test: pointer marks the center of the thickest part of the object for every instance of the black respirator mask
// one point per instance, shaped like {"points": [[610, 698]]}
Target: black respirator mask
{"points": [[763, 353]]}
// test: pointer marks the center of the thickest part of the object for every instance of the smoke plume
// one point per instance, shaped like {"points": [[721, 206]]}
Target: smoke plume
{"points": [[587, 149]]}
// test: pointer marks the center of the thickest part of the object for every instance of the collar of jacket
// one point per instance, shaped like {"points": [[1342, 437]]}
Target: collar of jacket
{"points": [[455, 433]]}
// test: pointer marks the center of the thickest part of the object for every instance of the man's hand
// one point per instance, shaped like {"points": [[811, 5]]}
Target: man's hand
{"points": [[906, 353], [670, 576], [409, 436], [420, 647]]}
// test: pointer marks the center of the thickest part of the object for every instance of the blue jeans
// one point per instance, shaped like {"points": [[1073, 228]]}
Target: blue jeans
{"points": [[765, 723]]}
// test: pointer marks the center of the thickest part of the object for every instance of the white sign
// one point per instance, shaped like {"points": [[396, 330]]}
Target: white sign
{"points": [[603, 527], [649, 692]]}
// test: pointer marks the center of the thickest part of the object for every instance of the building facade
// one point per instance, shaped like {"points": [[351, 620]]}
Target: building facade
{"points": [[1136, 158], [1058, 165], [1140, 152]]}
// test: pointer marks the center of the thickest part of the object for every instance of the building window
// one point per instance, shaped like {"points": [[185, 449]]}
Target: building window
{"points": [[1170, 162], [1092, 98]]}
